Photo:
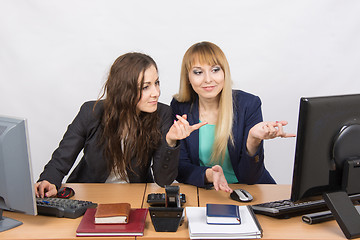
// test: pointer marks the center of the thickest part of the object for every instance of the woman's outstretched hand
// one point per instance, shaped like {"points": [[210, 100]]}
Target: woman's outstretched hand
{"points": [[216, 176], [181, 129], [265, 130]]}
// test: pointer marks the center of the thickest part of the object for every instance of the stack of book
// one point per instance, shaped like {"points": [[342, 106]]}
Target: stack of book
{"points": [[221, 221], [113, 219]]}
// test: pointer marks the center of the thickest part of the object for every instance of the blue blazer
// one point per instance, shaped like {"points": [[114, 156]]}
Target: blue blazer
{"points": [[248, 169]]}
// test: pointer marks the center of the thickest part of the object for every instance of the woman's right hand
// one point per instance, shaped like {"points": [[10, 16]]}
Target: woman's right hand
{"points": [[216, 176], [45, 189], [181, 129]]}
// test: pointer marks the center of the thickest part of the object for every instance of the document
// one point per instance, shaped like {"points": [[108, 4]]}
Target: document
{"points": [[199, 229]]}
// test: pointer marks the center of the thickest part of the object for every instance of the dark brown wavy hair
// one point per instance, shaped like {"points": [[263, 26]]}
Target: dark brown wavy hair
{"points": [[126, 133]]}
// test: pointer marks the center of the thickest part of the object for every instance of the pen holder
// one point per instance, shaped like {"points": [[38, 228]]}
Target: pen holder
{"points": [[166, 219]]}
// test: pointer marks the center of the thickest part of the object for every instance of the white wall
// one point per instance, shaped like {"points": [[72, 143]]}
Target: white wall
{"points": [[54, 55]]}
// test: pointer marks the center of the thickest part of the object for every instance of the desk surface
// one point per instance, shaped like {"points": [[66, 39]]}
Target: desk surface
{"points": [[44, 227], [47, 227], [292, 228]]}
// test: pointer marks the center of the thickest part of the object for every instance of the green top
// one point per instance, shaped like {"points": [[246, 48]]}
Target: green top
{"points": [[206, 142]]}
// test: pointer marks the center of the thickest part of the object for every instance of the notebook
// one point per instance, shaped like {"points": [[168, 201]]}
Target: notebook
{"points": [[222, 214], [112, 213], [135, 226]]}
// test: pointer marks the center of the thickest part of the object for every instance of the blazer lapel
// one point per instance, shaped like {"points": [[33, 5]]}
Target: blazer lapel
{"points": [[193, 139]]}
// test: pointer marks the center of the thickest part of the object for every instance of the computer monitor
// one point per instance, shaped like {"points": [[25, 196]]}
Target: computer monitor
{"points": [[327, 156], [16, 181]]}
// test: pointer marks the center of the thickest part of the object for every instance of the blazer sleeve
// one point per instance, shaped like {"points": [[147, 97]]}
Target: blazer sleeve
{"points": [[69, 147], [166, 158], [254, 165]]}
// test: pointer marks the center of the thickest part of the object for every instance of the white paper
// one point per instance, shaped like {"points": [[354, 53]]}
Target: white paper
{"points": [[199, 229]]}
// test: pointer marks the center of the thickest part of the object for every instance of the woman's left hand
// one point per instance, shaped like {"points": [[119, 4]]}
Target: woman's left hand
{"points": [[269, 130], [265, 130], [181, 129]]}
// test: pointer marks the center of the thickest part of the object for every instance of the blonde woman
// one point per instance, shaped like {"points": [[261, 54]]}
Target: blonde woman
{"points": [[229, 148]]}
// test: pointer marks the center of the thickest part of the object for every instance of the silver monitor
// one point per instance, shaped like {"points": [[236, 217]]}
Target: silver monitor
{"points": [[16, 180]]}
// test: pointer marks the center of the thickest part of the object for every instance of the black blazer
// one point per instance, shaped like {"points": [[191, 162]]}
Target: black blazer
{"points": [[83, 134]]}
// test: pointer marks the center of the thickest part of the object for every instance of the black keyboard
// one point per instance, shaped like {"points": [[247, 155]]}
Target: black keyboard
{"points": [[62, 207], [158, 199], [288, 209]]}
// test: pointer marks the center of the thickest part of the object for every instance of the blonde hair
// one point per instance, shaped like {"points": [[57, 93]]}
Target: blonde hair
{"points": [[211, 54]]}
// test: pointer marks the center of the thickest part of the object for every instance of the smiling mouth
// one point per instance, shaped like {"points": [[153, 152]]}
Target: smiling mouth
{"points": [[209, 88]]}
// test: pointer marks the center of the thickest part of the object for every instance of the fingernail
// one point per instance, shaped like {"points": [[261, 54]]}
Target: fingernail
{"points": [[177, 115], [174, 121]]}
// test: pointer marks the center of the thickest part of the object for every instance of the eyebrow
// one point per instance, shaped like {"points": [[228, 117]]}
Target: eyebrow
{"points": [[148, 82], [216, 65]]}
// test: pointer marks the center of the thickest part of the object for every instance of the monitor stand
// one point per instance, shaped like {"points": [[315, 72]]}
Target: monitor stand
{"points": [[7, 223], [341, 205], [344, 213], [346, 154]]}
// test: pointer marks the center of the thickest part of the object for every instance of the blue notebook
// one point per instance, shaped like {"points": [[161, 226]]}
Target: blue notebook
{"points": [[222, 214]]}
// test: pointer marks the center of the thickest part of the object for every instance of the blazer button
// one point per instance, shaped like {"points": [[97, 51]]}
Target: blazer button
{"points": [[167, 159], [257, 158], [165, 166], [168, 152]]}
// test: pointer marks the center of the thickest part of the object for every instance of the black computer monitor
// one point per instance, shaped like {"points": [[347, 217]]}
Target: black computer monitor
{"points": [[327, 153], [16, 180]]}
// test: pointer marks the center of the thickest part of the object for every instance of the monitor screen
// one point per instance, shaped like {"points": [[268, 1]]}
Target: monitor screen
{"points": [[328, 134], [17, 185]]}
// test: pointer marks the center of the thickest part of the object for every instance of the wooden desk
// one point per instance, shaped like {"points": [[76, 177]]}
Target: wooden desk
{"points": [[46, 227], [292, 228], [182, 232]]}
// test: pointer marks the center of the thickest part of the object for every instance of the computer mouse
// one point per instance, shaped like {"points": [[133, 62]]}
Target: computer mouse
{"points": [[241, 195], [65, 192]]}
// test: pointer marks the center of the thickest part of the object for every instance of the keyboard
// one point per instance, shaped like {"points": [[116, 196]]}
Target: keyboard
{"points": [[158, 199], [288, 209], [62, 207]]}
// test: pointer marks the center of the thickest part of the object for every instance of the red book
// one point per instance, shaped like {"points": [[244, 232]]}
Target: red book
{"points": [[135, 226]]}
